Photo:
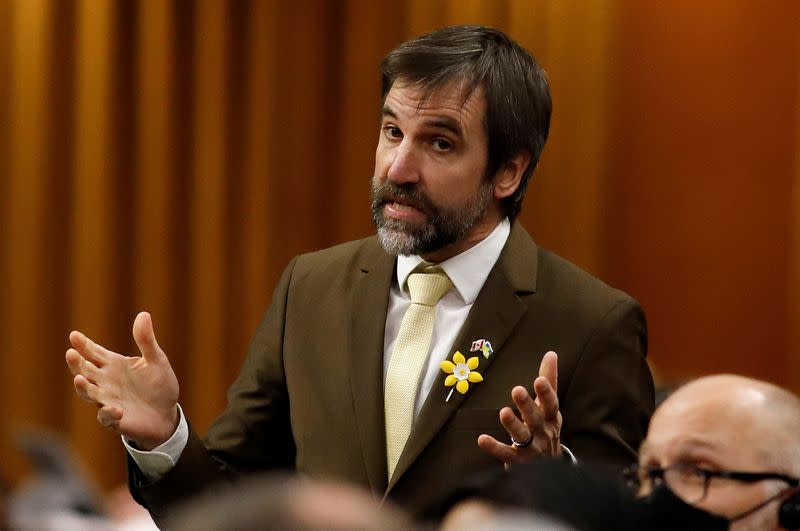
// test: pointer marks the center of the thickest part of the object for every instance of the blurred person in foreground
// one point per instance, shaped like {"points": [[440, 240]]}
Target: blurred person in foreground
{"points": [[278, 502], [390, 362], [722, 452], [58, 493]]}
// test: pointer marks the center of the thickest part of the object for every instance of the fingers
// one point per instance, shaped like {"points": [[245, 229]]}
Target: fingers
{"points": [[517, 429], [495, 448], [540, 418], [89, 349], [549, 369], [530, 412], [145, 338], [547, 398], [79, 365], [86, 389], [109, 417]]}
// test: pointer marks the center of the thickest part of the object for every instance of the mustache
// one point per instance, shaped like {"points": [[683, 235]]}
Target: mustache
{"points": [[407, 193]]}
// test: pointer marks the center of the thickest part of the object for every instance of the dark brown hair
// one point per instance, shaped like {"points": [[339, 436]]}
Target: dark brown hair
{"points": [[518, 102]]}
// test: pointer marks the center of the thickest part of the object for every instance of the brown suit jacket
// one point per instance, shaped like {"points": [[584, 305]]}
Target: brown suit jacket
{"points": [[310, 394]]}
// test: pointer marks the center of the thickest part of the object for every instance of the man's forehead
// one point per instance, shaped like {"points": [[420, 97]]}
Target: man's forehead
{"points": [[690, 425], [456, 99]]}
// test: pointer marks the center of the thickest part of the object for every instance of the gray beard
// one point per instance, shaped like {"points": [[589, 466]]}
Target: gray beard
{"points": [[443, 227]]}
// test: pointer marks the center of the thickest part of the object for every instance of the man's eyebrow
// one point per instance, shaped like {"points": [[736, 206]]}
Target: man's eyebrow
{"points": [[387, 111], [438, 122], [445, 122]]}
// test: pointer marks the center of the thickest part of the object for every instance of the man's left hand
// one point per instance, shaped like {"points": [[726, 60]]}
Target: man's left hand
{"points": [[538, 433]]}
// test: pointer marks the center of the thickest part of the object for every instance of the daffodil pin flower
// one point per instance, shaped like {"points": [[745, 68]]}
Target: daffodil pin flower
{"points": [[460, 372]]}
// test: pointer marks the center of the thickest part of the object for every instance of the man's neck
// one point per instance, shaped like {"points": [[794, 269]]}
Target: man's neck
{"points": [[476, 234]]}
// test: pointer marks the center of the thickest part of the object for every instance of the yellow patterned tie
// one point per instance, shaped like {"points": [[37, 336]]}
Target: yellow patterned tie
{"points": [[408, 356]]}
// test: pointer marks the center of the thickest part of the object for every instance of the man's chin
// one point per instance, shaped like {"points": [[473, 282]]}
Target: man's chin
{"points": [[398, 241]]}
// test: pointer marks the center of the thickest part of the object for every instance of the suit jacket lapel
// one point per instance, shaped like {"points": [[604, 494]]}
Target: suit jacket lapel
{"points": [[493, 316], [369, 307]]}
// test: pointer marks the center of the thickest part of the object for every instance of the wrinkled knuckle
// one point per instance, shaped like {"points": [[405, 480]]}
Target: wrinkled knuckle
{"points": [[84, 395], [102, 419]]}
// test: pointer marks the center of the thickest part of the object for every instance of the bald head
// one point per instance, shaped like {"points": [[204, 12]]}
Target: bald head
{"points": [[728, 423], [745, 422]]}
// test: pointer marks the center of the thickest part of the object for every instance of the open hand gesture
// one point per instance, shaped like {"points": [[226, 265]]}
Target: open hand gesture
{"points": [[137, 396], [538, 433]]}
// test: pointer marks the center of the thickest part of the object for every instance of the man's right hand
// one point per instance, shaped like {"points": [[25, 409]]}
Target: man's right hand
{"points": [[137, 396]]}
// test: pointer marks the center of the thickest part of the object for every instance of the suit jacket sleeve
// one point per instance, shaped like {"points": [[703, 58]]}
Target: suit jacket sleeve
{"points": [[610, 398], [252, 434]]}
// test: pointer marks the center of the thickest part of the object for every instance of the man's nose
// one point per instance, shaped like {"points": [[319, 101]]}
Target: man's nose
{"points": [[404, 167]]}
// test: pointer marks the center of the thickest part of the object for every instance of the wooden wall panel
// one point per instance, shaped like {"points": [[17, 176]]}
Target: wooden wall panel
{"points": [[96, 286], [173, 156], [6, 19], [204, 392], [426, 15], [251, 285], [156, 200], [567, 199], [793, 350], [487, 12], [307, 153], [24, 346], [704, 153]]}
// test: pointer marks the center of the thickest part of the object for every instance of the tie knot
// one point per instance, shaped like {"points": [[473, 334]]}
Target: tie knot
{"points": [[428, 286]]}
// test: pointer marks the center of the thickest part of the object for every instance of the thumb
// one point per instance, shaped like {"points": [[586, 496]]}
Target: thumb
{"points": [[145, 337], [549, 369]]}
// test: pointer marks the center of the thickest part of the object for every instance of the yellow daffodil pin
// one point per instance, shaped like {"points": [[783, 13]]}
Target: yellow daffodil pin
{"points": [[460, 372]]}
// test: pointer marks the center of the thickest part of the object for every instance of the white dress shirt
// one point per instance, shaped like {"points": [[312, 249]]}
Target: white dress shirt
{"points": [[467, 271]]}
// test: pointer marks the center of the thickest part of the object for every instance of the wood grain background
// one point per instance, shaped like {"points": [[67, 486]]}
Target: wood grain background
{"points": [[174, 155]]}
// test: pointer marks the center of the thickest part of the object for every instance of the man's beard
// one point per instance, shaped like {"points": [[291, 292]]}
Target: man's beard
{"points": [[443, 225]]}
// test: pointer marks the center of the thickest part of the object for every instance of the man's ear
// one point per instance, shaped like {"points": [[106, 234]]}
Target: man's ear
{"points": [[507, 179]]}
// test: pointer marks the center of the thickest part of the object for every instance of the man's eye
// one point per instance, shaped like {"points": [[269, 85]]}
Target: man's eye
{"points": [[442, 144], [392, 132]]}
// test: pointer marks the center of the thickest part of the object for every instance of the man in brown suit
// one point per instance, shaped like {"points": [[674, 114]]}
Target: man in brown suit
{"points": [[465, 116]]}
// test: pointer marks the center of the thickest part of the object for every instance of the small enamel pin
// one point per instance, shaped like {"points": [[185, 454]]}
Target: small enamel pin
{"points": [[460, 373], [482, 345]]}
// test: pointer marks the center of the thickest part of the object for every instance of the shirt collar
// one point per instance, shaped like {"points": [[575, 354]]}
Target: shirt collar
{"points": [[468, 271]]}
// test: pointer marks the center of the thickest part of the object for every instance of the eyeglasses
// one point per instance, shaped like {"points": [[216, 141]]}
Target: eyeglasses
{"points": [[690, 483]]}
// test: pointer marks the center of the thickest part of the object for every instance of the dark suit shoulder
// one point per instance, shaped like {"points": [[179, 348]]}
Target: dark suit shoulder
{"points": [[336, 270], [572, 290], [343, 257]]}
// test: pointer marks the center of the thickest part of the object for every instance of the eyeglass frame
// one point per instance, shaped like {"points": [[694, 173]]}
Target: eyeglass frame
{"points": [[656, 474]]}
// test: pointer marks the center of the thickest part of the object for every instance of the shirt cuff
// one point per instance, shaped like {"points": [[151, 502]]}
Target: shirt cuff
{"points": [[569, 454], [161, 459]]}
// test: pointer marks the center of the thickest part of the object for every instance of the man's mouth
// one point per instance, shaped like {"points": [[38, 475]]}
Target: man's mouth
{"points": [[399, 208], [400, 202]]}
